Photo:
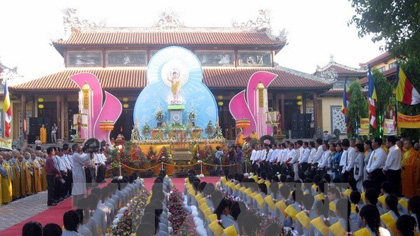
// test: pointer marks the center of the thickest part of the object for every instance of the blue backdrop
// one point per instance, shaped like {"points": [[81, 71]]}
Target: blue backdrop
{"points": [[194, 92]]}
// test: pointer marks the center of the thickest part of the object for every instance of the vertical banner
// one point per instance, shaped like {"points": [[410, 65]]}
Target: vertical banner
{"points": [[364, 126], [389, 127]]}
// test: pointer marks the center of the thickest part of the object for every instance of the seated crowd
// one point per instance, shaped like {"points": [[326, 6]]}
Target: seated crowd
{"points": [[95, 212]]}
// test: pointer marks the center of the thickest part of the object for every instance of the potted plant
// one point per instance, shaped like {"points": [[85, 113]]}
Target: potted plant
{"points": [[159, 115], [192, 116], [210, 130], [146, 130]]}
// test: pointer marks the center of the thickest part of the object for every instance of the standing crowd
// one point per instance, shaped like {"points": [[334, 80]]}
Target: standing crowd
{"points": [[62, 171]]}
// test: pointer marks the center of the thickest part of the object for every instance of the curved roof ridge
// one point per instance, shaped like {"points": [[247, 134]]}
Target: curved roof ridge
{"points": [[333, 63], [304, 75]]}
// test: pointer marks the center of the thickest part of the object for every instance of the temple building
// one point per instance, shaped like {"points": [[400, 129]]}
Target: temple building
{"points": [[331, 101], [119, 58]]}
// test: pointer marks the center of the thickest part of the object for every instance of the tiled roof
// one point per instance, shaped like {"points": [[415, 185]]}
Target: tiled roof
{"points": [[212, 38], [135, 78], [386, 73], [340, 69], [378, 59]]}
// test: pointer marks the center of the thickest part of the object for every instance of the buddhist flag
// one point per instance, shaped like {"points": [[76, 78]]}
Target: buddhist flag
{"points": [[7, 110], [372, 102], [406, 93], [345, 98]]}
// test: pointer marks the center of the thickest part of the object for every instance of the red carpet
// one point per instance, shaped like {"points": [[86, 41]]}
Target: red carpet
{"points": [[55, 214], [51, 215]]}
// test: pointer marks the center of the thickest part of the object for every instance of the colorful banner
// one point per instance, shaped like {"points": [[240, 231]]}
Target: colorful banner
{"points": [[6, 143], [389, 127], [409, 122], [364, 126]]}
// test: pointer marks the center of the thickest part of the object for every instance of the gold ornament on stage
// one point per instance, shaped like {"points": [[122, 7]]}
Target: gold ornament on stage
{"points": [[85, 91], [260, 88]]}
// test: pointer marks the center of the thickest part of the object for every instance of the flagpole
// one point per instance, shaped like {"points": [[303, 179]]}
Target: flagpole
{"points": [[396, 101]]}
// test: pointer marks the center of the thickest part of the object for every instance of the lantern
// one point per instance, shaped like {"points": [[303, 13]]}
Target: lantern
{"points": [[299, 97], [41, 106], [85, 91], [220, 97], [40, 100], [260, 88], [125, 99], [299, 103], [126, 105], [106, 125], [242, 123], [220, 103]]}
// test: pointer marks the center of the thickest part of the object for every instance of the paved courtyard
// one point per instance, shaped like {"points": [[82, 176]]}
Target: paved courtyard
{"points": [[22, 209]]}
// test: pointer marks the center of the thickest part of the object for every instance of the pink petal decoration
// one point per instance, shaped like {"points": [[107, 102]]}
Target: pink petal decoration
{"points": [[239, 109], [266, 78], [111, 111], [96, 87]]}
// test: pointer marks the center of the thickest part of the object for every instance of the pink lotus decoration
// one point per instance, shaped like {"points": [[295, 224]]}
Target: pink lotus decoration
{"points": [[244, 104], [110, 110]]}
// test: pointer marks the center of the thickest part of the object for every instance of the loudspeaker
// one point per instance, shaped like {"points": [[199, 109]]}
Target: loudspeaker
{"points": [[294, 118], [301, 119], [33, 126], [294, 134], [301, 134], [31, 138]]}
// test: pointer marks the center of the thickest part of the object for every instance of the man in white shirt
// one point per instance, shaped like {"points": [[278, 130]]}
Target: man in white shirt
{"points": [[303, 161], [292, 157], [376, 163], [392, 168], [318, 154], [273, 157], [348, 162], [322, 165], [252, 159]]}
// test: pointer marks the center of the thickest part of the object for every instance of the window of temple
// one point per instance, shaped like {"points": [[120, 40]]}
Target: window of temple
{"points": [[381, 69], [216, 58], [126, 58], [392, 65], [255, 58], [84, 59]]}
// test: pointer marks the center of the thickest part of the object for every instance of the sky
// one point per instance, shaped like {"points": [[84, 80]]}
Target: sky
{"points": [[316, 29]]}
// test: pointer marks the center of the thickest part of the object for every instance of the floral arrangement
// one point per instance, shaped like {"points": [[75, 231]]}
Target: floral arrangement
{"points": [[192, 115], [146, 130], [159, 114], [179, 218], [210, 129], [130, 220]]}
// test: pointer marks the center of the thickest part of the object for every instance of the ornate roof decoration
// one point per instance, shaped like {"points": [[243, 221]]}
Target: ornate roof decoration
{"points": [[305, 75], [334, 69], [169, 20], [73, 23], [261, 24], [7, 73]]}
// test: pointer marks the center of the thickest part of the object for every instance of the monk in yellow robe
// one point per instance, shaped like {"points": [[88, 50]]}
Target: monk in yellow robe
{"points": [[37, 174], [41, 161], [254, 135], [15, 168], [28, 174], [43, 134], [22, 175], [6, 181], [239, 139], [410, 167]]}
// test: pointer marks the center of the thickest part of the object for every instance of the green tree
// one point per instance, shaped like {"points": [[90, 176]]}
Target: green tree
{"points": [[357, 108], [395, 22], [384, 94]]}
